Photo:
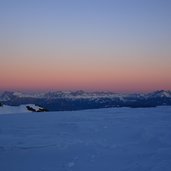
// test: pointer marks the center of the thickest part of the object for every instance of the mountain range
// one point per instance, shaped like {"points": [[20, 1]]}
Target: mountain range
{"points": [[78, 100]]}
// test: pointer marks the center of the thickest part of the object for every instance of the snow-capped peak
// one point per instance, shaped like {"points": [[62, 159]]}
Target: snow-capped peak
{"points": [[161, 93]]}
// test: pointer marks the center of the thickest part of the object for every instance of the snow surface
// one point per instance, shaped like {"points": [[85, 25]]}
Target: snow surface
{"points": [[118, 139], [5, 109]]}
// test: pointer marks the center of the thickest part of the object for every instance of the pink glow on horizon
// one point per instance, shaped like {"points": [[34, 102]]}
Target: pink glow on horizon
{"points": [[72, 77]]}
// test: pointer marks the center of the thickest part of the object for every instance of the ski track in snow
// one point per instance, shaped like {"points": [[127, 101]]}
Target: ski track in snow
{"points": [[118, 139]]}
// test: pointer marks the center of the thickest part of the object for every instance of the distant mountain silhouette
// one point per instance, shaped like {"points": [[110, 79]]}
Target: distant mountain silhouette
{"points": [[78, 100]]}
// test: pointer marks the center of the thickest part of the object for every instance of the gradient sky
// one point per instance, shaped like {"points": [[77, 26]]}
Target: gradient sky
{"points": [[115, 45]]}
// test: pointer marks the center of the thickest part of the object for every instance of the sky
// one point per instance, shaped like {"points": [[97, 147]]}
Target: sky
{"points": [[109, 45]]}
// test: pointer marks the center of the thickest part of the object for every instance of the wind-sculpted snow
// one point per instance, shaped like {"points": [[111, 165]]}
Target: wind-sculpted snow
{"points": [[118, 139]]}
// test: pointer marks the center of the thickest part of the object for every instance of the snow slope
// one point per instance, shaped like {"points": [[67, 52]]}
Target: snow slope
{"points": [[118, 139], [5, 109]]}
